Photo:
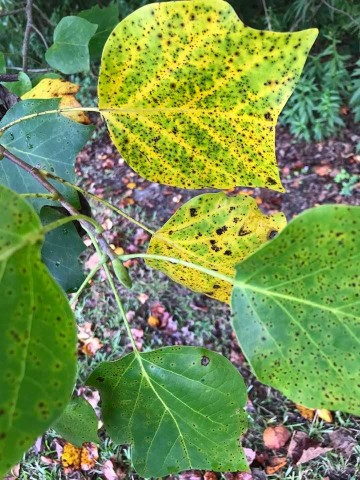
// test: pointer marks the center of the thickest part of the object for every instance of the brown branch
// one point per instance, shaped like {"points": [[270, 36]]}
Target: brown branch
{"points": [[26, 42], [9, 77], [11, 12], [32, 70], [34, 172]]}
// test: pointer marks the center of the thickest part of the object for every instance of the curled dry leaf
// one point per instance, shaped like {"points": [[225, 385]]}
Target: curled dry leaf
{"points": [[275, 464], [210, 476], [342, 441], [311, 453], [276, 437]]}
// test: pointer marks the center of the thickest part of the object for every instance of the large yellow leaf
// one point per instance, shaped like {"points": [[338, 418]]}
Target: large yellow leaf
{"points": [[191, 96], [216, 231], [55, 88]]}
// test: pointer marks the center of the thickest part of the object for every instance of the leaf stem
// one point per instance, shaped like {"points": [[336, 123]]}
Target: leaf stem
{"points": [[116, 295], [98, 199], [71, 218], [178, 261], [49, 112], [48, 196], [35, 172], [91, 274]]}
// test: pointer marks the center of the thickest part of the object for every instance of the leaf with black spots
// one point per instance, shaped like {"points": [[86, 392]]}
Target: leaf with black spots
{"points": [[296, 309], [38, 336]]}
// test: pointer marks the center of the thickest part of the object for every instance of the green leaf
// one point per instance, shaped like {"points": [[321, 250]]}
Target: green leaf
{"points": [[191, 96], [61, 251], [106, 18], [215, 231], [70, 50], [78, 423], [50, 142], [296, 309], [20, 87], [38, 337], [180, 407]]}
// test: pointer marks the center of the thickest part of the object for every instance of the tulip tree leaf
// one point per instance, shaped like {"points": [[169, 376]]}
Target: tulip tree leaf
{"points": [[38, 335], [180, 407], [70, 50], [21, 86], [59, 88], [78, 423], [191, 96], [50, 142], [106, 18], [216, 231], [296, 309], [61, 251]]}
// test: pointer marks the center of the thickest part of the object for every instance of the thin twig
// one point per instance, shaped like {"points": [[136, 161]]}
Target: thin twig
{"points": [[268, 21], [342, 12], [40, 35], [9, 77], [12, 12], [31, 70], [43, 16], [26, 42], [50, 188]]}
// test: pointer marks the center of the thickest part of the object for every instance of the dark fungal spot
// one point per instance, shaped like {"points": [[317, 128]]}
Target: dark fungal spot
{"points": [[228, 252], [242, 232], [221, 230], [193, 212], [100, 379], [205, 361], [272, 234]]}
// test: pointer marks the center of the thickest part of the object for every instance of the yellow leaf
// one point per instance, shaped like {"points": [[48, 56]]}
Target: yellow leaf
{"points": [[153, 321], [55, 88], [191, 96], [307, 413], [71, 456], [216, 231], [325, 415]]}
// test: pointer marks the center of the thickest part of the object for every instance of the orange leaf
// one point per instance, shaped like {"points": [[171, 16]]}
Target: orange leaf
{"points": [[153, 321], [307, 413], [325, 415], [276, 437], [276, 464]]}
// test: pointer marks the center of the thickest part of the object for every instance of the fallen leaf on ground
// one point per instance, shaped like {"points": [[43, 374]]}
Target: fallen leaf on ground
{"points": [[119, 251], [153, 322], [92, 261], [250, 455], [108, 471], [91, 346], [191, 475], [143, 298], [210, 476], [275, 464], [311, 453], [276, 437], [309, 413], [341, 440], [325, 415], [14, 473], [299, 442], [138, 334], [322, 170], [243, 476], [79, 458]]}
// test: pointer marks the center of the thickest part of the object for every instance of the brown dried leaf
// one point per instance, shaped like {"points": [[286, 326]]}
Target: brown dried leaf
{"points": [[299, 442], [276, 464], [108, 471], [342, 441], [276, 437], [311, 453]]}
